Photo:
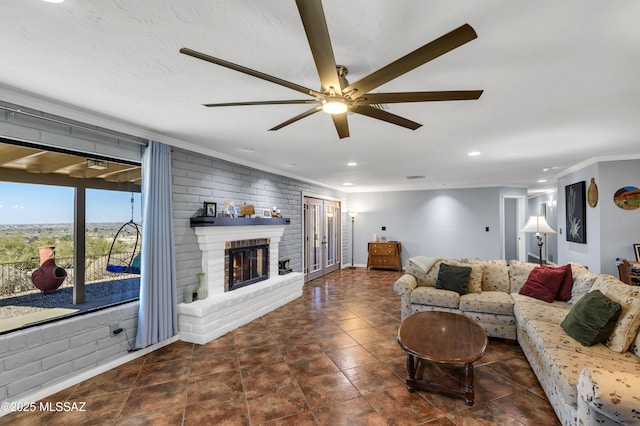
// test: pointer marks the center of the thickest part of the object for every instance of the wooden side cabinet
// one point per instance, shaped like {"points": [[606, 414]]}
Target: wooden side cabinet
{"points": [[385, 255]]}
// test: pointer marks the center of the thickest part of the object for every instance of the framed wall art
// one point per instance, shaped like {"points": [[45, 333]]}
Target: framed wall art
{"points": [[209, 209], [576, 218], [636, 249]]}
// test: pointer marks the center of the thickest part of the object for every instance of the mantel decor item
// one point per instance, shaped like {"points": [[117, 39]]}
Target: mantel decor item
{"points": [[576, 220], [209, 209], [247, 210]]}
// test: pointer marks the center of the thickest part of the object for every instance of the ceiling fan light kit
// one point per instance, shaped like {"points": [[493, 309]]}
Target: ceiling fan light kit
{"points": [[334, 105], [336, 95]]}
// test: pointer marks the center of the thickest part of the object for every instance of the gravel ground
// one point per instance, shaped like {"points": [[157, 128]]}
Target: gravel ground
{"points": [[63, 297]]}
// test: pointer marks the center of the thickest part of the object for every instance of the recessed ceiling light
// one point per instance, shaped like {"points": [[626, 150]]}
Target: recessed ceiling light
{"points": [[54, 1], [542, 180], [247, 149], [473, 153], [347, 184], [352, 163]]}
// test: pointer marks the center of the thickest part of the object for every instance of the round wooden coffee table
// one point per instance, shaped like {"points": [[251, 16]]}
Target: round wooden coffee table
{"points": [[444, 338]]}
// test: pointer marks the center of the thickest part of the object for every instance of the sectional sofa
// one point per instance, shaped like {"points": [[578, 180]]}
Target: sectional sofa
{"points": [[586, 385]]}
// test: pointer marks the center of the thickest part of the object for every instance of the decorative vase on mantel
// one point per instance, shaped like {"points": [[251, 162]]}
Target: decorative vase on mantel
{"points": [[202, 288]]}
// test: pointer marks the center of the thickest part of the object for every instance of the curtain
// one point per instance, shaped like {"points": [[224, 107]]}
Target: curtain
{"points": [[157, 315]]}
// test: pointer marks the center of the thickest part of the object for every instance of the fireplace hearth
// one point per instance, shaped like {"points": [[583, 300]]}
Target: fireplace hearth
{"points": [[246, 262], [223, 311]]}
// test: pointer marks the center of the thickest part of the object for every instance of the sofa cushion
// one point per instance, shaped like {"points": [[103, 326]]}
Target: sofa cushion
{"points": [[475, 278], [564, 292], [543, 283], [433, 296], [527, 308], [453, 278], [419, 268], [581, 285], [518, 274], [491, 302], [578, 269], [628, 323], [592, 319], [495, 274]]}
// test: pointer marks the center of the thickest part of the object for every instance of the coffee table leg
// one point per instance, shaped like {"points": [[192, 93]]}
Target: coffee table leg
{"points": [[468, 384], [411, 372]]}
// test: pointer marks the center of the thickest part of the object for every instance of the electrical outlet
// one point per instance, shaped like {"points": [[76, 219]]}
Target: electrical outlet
{"points": [[115, 329]]}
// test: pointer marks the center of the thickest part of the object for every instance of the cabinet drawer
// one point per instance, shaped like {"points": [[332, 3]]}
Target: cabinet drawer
{"points": [[383, 249], [382, 261]]}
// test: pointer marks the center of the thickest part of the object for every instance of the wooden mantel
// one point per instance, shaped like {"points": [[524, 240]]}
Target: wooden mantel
{"points": [[199, 221]]}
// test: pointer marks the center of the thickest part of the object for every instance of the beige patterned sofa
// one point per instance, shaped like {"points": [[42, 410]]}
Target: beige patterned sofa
{"points": [[598, 384]]}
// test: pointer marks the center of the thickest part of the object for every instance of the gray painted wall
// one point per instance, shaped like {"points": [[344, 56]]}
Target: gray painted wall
{"points": [[447, 223], [611, 231]]}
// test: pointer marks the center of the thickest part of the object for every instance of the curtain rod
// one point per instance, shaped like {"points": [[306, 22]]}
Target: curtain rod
{"points": [[79, 126]]}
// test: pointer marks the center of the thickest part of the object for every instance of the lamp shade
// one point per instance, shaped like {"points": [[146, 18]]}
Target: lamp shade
{"points": [[353, 214], [539, 225]]}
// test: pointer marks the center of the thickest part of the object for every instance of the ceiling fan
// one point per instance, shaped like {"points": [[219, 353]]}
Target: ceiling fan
{"points": [[336, 95]]}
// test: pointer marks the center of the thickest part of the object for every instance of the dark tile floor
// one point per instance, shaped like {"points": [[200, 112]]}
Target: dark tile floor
{"points": [[328, 358]]}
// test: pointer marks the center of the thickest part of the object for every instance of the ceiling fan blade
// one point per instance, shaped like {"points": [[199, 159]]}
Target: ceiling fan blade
{"points": [[250, 72], [315, 26], [379, 114], [284, 102], [392, 98], [341, 123], [420, 56], [297, 117]]}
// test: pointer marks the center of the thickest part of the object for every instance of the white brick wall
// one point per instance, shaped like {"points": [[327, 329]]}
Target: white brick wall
{"points": [[40, 356], [198, 178]]}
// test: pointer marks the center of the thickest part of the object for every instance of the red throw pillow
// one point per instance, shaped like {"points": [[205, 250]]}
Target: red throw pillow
{"points": [[564, 293], [543, 283]]}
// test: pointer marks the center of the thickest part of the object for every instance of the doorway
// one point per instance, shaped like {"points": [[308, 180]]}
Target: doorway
{"points": [[513, 219], [321, 237]]}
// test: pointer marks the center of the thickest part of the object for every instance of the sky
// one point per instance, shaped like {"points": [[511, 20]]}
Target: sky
{"points": [[22, 203]]}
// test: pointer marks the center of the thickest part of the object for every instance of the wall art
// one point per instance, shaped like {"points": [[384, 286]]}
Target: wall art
{"points": [[627, 198], [576, 218]]}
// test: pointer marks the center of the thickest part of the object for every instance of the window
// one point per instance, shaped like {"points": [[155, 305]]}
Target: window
{"points": [[38, 223]]}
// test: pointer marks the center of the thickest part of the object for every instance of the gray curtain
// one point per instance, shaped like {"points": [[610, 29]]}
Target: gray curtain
{"points": [[157, 315]]}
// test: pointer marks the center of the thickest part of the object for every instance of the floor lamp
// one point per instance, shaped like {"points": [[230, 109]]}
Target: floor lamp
{"points": [[353, 224], [538, 225]]}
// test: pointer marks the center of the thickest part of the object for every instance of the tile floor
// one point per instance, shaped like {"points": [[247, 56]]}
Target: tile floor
{"points": [[328, 358]]}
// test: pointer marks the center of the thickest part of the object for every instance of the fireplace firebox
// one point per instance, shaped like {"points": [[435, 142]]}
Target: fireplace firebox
{"points": [[246, 262]]}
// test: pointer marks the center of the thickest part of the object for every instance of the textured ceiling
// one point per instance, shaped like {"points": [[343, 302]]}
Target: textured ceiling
{"points": [[560, 82]]}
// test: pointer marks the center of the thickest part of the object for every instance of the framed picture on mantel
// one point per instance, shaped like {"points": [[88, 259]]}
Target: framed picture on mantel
{"points": [[576, 218], [209, 209]]}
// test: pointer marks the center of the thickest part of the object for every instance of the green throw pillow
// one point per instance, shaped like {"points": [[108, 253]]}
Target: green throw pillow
{"points": [[592, 318], [454, 278]]}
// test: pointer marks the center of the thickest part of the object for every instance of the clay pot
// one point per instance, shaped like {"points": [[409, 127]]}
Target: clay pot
{"points": [[48, 276]]}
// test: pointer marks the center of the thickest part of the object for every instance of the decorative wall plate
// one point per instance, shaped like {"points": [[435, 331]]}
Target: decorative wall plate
{"points": [[627, 198], [592, 193]]}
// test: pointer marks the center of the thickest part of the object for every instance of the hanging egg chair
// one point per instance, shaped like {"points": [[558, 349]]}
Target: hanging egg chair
{"points": [[127, 262]]}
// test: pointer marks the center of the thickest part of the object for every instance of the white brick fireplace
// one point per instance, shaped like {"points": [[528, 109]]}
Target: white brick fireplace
{"points": [[204, 320]]}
